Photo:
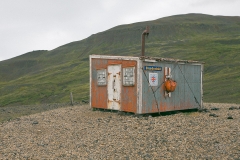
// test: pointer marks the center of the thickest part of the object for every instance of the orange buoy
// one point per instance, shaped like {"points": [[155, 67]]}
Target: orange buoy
{"points": [[170, 85]]}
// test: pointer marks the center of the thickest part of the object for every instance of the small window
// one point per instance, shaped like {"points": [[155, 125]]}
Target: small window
{"points": [[128, 76], [101, 77]]}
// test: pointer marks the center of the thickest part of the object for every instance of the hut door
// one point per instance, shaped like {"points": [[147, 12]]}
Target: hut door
{"points": [[114, 87]]}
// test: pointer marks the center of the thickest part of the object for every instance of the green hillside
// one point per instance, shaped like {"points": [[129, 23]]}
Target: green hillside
{"points": [[49, 76]]}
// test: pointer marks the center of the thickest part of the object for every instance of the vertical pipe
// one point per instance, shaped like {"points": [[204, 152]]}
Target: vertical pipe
{"points": [[145, 33], [143, 44]]}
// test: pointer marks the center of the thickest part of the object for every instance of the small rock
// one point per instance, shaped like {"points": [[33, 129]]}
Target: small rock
{"points": [[214, 109], [35, 122], [42, 144], [213, 115], [203, 110], [229, 117], [232, 108]]}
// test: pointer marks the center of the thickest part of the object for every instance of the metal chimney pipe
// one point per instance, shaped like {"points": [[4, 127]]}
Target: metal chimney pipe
{"points": [[145, 33]]}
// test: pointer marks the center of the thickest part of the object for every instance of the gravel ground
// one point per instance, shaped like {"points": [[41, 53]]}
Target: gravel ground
{"points": [[9, 113], [79, 133]]}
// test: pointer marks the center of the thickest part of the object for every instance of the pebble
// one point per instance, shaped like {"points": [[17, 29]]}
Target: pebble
{"points": [[233, 107], [213, 115], [214, 108], [35, 122], [229, 117], [203, 110]]}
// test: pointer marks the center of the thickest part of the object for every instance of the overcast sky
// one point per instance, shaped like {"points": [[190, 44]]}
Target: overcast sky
{"points": [[27, 25]]}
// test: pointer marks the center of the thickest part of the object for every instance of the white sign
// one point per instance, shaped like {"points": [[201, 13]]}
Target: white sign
{"points": [[153, 79]]}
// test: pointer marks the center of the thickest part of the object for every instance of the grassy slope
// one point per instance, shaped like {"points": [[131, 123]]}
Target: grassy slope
{"points": [[49, 76]]}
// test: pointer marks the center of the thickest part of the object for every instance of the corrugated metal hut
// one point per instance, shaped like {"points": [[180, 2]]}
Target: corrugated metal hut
{"points": [[145, 84]]}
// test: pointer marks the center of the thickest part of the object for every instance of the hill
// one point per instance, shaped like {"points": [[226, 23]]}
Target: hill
{"points": [[49, 76]]}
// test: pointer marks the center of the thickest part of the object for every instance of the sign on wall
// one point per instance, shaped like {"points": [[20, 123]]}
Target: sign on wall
{"points": [[153, 68], [153, 79], [128, 76], [101, 77]]}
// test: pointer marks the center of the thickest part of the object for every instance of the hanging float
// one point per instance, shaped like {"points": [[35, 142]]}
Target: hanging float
{"points": [[170, 85]]}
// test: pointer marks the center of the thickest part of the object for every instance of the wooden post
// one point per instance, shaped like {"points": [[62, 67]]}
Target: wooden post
{"points": [[71, 98]]}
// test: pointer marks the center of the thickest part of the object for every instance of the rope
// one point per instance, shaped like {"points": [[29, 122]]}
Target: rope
{"points": [[164, 81], [189, 87], [152, 92], [156, 89]]}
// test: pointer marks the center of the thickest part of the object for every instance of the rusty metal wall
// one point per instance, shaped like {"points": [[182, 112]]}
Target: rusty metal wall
{"points": [[187, 95], [99, 94]]}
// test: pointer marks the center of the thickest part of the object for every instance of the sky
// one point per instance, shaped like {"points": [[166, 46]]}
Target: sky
{"points": [[28, 25]]}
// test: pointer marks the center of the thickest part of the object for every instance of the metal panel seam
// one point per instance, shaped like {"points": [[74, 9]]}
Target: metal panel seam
{"points": [[139, 87]]}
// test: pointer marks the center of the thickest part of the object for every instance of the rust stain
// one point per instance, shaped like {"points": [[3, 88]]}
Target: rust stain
{"points": [[129, 93], [99, 93]]}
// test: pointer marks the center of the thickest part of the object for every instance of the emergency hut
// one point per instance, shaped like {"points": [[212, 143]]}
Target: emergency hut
{"points": [[145, 84]]}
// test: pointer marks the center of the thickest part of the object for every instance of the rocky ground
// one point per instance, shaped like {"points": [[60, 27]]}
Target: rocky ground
{"points": [[78, 132]]}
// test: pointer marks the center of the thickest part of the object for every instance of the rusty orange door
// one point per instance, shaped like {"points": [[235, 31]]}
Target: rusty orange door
{"points": [[114, 87]]}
